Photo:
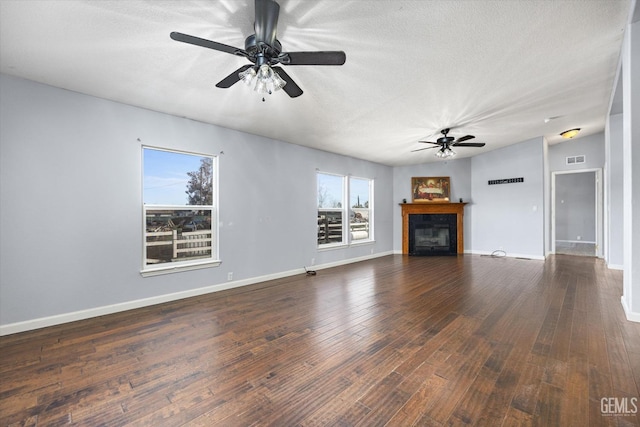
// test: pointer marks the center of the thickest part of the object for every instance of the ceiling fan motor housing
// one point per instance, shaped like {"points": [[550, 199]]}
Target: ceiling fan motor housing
{"points": [[445, 139], [252, 48]]}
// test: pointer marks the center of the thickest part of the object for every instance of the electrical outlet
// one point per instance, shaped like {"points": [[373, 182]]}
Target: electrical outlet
{"points": [[313, 261], [579, 237], [230, 275]]}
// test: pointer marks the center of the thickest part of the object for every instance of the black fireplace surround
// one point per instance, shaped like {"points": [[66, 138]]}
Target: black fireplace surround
{"points": [[433, 234]]}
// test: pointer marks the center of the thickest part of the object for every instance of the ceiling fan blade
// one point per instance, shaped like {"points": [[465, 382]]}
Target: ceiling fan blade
{"points": [[291, 88], [232, 78], [468, 144], [426, 148], [266, 23], [429, 142], [465, 138], [185, 38], [314, 58]]}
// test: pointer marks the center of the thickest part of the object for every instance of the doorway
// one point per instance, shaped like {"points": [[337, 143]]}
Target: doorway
{"points": [[577, 213]]}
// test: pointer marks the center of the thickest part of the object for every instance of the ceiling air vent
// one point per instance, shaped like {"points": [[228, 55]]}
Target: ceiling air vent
{"points": [[575, 160]]}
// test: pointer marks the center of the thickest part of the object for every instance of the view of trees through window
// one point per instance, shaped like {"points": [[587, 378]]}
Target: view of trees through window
{"points": [[178, 196], [200, 186]]}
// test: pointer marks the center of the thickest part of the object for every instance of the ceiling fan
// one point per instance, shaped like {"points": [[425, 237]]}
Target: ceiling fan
{"points": [[264, 51], [445, 142]]}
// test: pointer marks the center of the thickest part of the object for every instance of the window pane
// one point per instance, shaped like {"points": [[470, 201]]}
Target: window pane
{"points": [[330, 190], [329, 226], [177, 235], [172, 178], [359, 193], [330, 208]]}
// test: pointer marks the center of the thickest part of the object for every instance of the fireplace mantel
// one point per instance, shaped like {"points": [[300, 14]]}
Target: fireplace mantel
{"points": [[432, 208]]}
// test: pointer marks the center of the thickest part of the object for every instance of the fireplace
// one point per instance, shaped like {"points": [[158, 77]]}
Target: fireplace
{"points": [[433, 234], [433, 223]]}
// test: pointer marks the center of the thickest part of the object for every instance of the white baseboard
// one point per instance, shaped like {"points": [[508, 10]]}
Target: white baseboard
{"points": [[350, 260], [43, 322], [631, 316], [508, 255], [615, 267], [475, 252]]}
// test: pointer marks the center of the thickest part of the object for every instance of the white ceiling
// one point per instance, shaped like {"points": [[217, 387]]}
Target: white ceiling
{"points": [[494, 69]]}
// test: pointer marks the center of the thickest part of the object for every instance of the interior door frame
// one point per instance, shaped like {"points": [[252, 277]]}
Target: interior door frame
{"points": [[598, 206]]}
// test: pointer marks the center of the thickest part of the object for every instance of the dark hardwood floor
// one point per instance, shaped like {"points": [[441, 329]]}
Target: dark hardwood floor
{"points": [[396, 341]]}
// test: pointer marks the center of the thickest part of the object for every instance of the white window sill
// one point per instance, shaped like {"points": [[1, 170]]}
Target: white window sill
{"points": [[362, 242], [345, 245], [332, 246], [168, 269]]}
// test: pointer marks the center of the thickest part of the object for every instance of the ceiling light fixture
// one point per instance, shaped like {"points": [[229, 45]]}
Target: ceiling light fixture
{"points": [[445, 152], [264, 80], [570, 133]]}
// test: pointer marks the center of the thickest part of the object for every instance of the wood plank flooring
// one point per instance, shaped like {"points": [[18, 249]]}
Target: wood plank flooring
{"points": [[397, 341]]}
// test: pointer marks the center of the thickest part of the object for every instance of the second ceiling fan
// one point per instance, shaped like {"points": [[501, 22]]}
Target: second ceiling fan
{"points": [[446, 142], [264, 51]]}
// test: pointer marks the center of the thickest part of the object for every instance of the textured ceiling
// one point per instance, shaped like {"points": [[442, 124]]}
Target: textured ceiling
{"points": [[494, 69]]}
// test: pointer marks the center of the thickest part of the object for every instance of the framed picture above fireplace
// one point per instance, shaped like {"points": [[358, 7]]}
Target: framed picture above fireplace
{"points": [[430, 189]]}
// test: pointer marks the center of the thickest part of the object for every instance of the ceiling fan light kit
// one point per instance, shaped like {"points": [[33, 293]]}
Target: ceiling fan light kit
{"points": [[264, 81], [444, 153], [264, 51], [568, 134]]}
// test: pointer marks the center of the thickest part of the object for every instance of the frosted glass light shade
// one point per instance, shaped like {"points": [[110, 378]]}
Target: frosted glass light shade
{"points": [[265, 80]]}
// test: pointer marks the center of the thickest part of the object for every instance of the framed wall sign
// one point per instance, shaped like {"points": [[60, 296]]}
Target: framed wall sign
{"points": [[430, 189]]}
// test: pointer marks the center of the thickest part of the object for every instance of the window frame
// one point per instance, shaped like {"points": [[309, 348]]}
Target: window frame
{"points": [[188, 264], [341, 210], [370, 221], [346, 210]]}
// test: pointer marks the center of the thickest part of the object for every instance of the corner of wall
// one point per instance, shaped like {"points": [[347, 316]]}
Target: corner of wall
{"points": [[630, 315]]}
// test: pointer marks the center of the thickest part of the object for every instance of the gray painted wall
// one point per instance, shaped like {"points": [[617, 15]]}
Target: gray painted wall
{"points": [[615, 185], [70, 218], [509, 216], [592, 146], [576, 206]]}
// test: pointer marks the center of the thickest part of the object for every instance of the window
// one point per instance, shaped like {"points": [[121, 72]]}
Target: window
{"points": [[179, 214], [360, 212], [330, 209], [339, 199]]}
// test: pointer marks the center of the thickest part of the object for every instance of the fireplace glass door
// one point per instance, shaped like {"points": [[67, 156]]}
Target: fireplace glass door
{"points": [[432, 234]]}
